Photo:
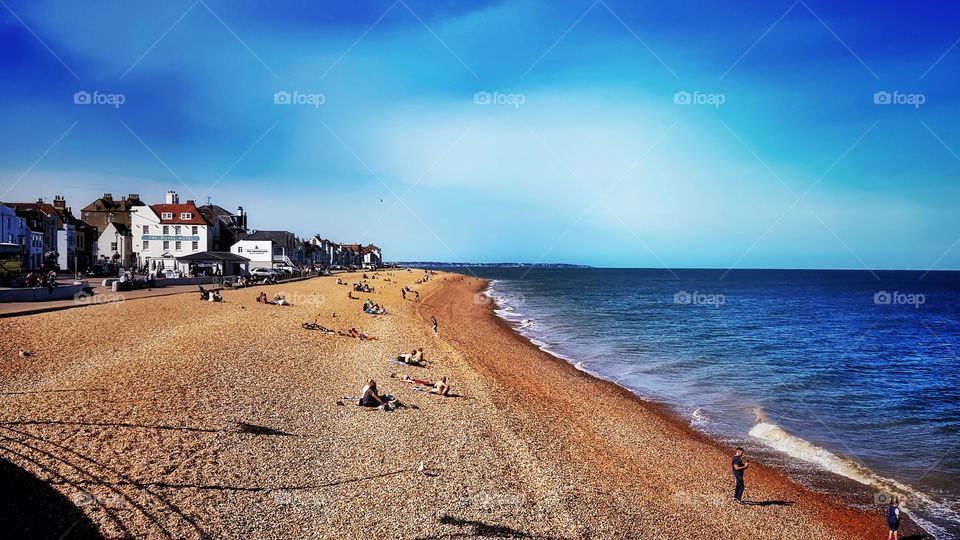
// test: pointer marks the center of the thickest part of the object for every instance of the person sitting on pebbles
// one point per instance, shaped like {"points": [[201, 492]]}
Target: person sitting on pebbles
{"points": [[370, 397]]}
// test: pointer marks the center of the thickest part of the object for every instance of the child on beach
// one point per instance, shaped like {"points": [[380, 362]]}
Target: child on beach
{"points": [[436, 329], [893, 519]]}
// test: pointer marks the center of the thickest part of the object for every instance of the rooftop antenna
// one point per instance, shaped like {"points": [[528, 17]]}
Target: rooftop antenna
{"points": [[208, 200]]}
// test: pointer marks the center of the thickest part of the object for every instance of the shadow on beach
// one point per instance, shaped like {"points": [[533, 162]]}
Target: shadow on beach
{"points": [[33, 509], [479, 529], [768, 503]]}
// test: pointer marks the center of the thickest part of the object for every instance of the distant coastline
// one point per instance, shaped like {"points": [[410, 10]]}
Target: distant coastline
{"points": [[433, 264]]}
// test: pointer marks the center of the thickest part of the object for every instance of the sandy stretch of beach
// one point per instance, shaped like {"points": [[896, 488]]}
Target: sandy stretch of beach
{"points": [[170, 417]]}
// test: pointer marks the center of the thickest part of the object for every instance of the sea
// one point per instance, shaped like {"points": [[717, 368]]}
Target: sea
{"points": [[855, 373]]}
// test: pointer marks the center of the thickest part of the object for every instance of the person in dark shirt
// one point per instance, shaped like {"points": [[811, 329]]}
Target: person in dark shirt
{"points": [[893, 519], [739, 465]]}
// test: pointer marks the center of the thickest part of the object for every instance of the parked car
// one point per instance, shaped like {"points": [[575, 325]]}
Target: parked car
{"points": [[263, 272], [286, 269]]}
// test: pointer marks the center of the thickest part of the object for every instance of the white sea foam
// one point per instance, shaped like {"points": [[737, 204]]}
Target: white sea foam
{"points": [[782, 440]]}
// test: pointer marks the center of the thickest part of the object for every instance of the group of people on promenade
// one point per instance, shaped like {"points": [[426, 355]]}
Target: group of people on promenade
{"points": [[39, 279]]}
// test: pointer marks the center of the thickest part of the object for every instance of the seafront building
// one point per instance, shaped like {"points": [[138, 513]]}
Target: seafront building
{"points": [[267, 249], [115, 245], [163, 232], [128, 232]]}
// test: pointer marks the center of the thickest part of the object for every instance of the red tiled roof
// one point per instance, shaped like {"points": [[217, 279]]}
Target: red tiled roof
{"points": [[45, 208], [196, 218]]}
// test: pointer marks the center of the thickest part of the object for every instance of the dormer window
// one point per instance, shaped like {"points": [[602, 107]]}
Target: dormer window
{"points": [[186, 215], [166, 215]]}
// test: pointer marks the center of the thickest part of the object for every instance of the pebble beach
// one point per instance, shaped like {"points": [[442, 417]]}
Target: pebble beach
{"points": [[170, 417]]}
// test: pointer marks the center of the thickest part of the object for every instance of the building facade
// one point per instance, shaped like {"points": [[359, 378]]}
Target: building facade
{"points": [[107, 210], [115, 245], [268, 249], [162, 232]]}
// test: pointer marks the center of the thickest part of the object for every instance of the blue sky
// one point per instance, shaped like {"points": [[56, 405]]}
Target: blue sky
{"points": [[783, 158]]}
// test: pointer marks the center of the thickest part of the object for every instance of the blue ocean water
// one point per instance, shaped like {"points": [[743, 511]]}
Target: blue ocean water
{"points": [[855, 372]]}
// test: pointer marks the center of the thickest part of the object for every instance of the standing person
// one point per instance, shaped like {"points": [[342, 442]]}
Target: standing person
{"points": [[739, 465], [403, 291], [436, 330], [893, 519], [418, 295]]}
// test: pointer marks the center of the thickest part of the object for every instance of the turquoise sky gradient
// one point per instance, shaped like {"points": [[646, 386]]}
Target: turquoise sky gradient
{"points": [[598, 165]]}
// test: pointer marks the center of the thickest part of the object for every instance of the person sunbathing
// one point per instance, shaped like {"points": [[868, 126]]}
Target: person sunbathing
{"points": [[262, 298], [441, 387], [413, 358], [280, 300]]}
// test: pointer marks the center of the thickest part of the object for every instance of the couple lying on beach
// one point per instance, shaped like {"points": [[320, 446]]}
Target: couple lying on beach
{"points": [[354, 333], [413, 358]]}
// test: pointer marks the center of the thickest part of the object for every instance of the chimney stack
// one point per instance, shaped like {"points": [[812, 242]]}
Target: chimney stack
{"points": [[59, 203], [172, 198], [133, 197], [108, 198]]}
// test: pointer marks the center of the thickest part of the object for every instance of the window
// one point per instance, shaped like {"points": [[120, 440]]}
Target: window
{"points": [[177, 245], [239, 249], [166, 229], [146, 229], [176, 230], [113, 246], [195, 246], [166, 245], [146, 245], [166, 215], [194, 230], [186, 215]]}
